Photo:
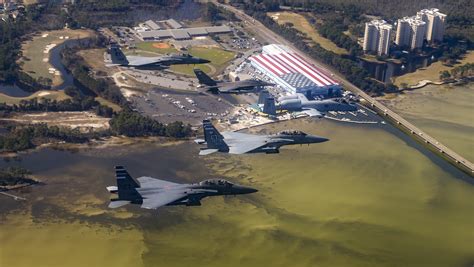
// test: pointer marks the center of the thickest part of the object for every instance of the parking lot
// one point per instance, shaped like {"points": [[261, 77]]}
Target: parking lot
{"points": [[168, 106]]}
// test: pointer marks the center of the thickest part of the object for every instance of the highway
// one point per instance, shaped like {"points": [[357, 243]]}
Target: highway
{"points": [[431, 142]]}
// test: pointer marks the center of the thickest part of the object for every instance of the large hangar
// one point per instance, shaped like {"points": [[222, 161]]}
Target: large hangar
{"points": [[293, 72]]}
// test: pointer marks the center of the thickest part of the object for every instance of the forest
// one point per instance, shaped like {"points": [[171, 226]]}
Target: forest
{"points": [[460, 18]]}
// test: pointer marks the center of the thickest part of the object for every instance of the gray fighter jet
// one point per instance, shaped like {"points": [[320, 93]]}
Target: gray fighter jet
{"points": [[240, 143], [237, 87], [149, 63], [153, 193]]}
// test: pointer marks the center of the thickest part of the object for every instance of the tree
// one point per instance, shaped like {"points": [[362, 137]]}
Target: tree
{"points": [[177, 129], [444, 75]]}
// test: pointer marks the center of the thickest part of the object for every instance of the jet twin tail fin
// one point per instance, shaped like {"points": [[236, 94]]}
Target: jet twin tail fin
{"points": [[213, 138], [264, 94], [269, 106], [126, 185], [117, 56], [203, 78]]}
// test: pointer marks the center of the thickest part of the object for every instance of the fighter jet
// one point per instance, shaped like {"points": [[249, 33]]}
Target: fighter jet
{"points": [[216, 87], [149, 63], [153, 193], [241, 143], [300, 103]]}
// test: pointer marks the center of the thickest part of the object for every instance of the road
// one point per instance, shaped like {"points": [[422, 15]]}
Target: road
{"points": [[431, 142]]}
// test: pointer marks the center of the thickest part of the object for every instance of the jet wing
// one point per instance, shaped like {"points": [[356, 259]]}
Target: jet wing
{"points": [[311, 112], [149, 182], [237, 87], [163, 198], [237, 135], [240, 143], [245, 147], [226, 88], [142, 61]]}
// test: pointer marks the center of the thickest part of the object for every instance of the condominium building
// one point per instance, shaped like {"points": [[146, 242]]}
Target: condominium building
{"points": [[411, 32], [377, 37], [435, 23]]}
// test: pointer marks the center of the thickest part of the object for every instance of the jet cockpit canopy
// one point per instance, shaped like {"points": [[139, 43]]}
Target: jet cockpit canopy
{"points": [[292, 132], [218, 182]]}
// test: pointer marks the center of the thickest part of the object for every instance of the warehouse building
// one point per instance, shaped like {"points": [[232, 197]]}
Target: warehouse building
{"points": [[294, 73], [173, 24], [152, 25], [182, 34]]}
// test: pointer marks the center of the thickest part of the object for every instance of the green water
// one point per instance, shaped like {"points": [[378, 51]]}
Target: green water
{"points": [[445, 112], [368, 197]]}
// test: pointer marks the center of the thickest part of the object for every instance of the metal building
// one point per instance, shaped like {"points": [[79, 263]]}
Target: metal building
{"points": [[293, 72]]}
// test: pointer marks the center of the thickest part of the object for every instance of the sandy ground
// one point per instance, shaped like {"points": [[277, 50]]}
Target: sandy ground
{"points": [[50, 94], [82, 120]]}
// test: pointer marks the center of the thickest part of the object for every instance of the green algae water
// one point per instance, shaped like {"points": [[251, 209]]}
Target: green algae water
{"points": [[446, 112], [368, 197]]}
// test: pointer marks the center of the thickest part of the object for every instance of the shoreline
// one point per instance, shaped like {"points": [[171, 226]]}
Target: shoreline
{"points": [[106, 142], [423, 83]]}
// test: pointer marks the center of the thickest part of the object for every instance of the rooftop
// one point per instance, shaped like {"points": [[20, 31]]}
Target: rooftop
{"points": [[174, 24]]}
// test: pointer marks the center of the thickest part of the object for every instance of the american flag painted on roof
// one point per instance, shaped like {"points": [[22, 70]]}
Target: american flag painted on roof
{"points": [[292, 68]]}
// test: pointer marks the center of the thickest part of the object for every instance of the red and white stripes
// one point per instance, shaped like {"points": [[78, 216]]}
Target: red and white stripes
{"points": [[280, 61]]}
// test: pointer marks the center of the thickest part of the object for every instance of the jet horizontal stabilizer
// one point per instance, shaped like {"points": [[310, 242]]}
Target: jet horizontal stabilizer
{"points": [[200, 141], [112, 189], [205, 152], [118, 203]]}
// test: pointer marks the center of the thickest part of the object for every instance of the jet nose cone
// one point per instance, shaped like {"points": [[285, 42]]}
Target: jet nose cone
{"points": [[319, 139], [204, 61], [323, 139], [252, 190], [246, 190]]}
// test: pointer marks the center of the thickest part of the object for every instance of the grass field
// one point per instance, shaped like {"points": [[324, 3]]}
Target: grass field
{"points": [[431, 72], [30, 2], [188, 69], [153, 47], [301, 24], [35, 60], [53, 95], [106, 102], [219, 58]]}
